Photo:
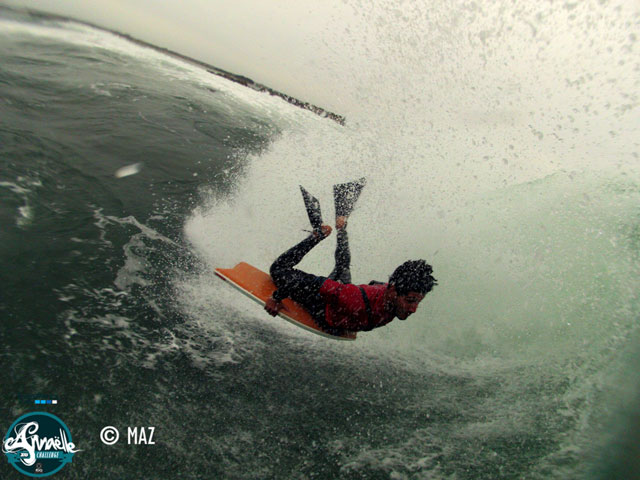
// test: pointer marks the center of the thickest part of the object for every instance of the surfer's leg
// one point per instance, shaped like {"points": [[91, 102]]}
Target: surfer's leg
{"points": [[342, 270], [302, 287], [289, 259], [345, 196], [290, 281]]}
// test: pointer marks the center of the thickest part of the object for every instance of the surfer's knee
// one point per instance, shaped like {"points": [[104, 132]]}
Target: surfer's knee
{"points": [[276, 272], [281, 272]]}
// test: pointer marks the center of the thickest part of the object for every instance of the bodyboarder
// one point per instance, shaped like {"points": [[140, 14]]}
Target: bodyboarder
{"points": [[334, 302]]}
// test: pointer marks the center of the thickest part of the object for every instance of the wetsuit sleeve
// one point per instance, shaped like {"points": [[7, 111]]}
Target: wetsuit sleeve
{"points": [[280, 294]]}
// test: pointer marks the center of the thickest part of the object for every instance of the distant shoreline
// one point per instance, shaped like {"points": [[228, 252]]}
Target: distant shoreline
{"points": [[245, 81]]}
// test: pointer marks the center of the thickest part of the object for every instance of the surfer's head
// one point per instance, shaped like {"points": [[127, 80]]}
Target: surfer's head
{"points": [[413, 276], [408, 285]]}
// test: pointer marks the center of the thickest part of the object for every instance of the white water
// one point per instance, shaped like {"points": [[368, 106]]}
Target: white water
{"points": [[538, 269], [551, 261], [538, 285], [500, 144]]}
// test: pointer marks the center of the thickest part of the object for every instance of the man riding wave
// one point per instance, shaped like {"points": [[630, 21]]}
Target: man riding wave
{"points": [[334, 302]]}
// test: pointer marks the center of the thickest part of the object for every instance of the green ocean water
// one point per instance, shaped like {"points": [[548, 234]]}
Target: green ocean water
{"points": [[522, 364]]}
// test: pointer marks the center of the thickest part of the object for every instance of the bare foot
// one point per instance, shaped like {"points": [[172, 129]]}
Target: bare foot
{"points": [[325, 231]]}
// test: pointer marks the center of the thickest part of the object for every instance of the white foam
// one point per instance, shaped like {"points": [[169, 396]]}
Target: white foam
{"points": [[129, 170], [25, 188]]}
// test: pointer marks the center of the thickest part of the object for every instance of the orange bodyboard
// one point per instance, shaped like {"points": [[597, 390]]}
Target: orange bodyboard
{"points": [[258, 286]]}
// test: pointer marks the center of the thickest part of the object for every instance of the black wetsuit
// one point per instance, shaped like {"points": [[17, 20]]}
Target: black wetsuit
{"points": [[303, 287], [334, 305]]}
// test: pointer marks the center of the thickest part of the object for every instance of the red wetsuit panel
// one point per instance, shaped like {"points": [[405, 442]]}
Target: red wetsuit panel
{"points": [[346, 308]]}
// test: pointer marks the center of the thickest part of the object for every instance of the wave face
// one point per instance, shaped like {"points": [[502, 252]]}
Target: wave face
{"points": [[127, 176]]}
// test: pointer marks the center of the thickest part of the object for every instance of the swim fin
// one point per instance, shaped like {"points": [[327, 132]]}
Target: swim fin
{"points": [[312, 205], [345, 196]]}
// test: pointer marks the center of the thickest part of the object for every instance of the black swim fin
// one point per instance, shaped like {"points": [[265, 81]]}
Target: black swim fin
{"points": [[312, 205], [345, 196]]}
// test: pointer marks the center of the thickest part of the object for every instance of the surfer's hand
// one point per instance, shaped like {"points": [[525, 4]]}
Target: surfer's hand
{"points": [[272, 307]]}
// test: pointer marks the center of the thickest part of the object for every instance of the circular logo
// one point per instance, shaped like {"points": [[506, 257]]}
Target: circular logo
{"points": [[109, 435], [38, 444]]}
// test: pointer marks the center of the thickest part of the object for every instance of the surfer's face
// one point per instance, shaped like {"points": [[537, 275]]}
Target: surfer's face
{"points": [[406, 305]]}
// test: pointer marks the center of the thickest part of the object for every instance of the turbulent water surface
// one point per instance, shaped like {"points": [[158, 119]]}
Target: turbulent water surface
{"points": [[126, 176]]}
